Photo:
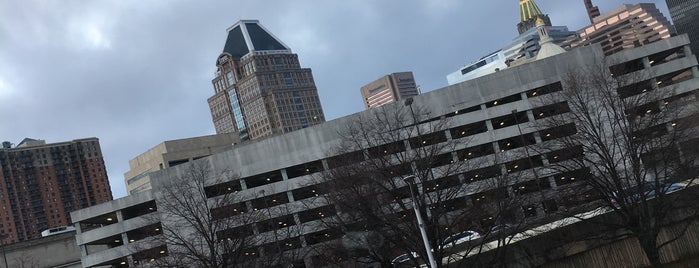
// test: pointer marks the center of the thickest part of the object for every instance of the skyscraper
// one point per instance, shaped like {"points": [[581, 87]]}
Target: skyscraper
{"points": [[260, 87], [684, 14], [389, 88], [40, 184], [592, 10], [624, 27]]}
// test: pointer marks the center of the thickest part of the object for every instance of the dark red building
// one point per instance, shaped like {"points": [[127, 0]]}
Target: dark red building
{"points": [[40, 184]]}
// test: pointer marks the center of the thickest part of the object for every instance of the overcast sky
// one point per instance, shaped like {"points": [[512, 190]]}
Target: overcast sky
{"points": [[135, 73]]}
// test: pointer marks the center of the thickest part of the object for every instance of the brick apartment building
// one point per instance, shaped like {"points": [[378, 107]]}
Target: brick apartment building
{"points": [[40, 184]]}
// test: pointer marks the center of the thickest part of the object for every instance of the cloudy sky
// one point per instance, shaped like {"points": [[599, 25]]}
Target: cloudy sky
{"points": [[135, 73]]}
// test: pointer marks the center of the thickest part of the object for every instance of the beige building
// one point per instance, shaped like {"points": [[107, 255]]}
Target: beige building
{"points": [[260, 88], [172, 153], [389, 88], [624, 27]]}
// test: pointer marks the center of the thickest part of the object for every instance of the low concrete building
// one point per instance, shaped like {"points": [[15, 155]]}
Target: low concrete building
{"points": [[172, 153], [495, 113], [56, 251]]}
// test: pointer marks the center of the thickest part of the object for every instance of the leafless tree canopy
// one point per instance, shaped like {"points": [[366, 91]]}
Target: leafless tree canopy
{"points": [[194, 233], [375, 213], [637, 137]]}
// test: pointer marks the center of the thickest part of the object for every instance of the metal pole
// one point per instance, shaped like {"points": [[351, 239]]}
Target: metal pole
{"points": [[4, 256], [420, 222]]}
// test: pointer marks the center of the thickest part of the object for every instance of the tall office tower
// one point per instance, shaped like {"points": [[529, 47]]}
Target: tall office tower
{"points": [[40, 184], [260, 87], [389, 88], [684, 14], [172, 153], [592, 10], [624, 27]]}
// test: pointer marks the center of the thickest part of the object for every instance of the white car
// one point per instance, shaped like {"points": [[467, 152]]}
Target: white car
{"points": [[404, 258], [459, 238]]}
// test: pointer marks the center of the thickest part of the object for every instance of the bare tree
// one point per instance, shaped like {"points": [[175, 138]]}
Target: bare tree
{"points": [[26, 260], [629, 137], [201, 226], [375, 213], [279, 235]]}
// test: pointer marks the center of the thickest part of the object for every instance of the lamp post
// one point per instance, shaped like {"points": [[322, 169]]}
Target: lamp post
{"points": [[2, 243], [410, 180]]}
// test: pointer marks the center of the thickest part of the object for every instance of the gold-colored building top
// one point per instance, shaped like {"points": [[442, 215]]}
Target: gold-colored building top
{"points": [[528, 10]]}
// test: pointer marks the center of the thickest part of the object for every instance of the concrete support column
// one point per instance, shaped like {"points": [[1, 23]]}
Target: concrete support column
{"points": [[243, 185], [447, 133], [284, 176], [687, 51], [646, 63], [695, 72], [120, 218], [83, 248]]}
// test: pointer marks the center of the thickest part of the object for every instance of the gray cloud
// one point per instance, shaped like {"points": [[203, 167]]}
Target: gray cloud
{"points": [[136, 73]]}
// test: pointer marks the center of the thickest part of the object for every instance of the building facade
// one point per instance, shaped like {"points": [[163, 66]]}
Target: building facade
{"points": [[492, 115], [389, 88], [624, 27], [684, 14], [42, 183], [172, 153], [260, 87]]}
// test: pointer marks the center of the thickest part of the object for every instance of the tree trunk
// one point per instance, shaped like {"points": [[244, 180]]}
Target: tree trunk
{"points": [[650, 248]]}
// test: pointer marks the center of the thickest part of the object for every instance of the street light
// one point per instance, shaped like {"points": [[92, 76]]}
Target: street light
{"points": [[410, 180], [2, 243]]}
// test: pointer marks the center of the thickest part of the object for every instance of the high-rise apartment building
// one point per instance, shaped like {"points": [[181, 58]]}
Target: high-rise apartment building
{"points": [[171, 153], [260, 87], [684, 14], [624, 27], [40, 184], [389, 88]]}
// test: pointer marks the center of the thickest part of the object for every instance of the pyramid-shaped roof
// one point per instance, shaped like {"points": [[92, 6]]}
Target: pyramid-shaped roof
{"points": [[528, 10], [247, 36]]}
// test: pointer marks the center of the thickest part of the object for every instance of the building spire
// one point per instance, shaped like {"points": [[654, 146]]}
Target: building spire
{"points": [[529, 11], [592, 11]]}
